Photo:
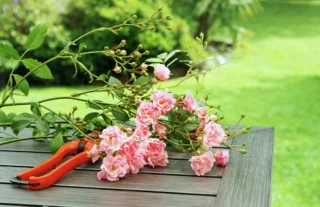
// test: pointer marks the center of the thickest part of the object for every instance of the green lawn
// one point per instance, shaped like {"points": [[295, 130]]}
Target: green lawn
{"points": [[276, 82]]}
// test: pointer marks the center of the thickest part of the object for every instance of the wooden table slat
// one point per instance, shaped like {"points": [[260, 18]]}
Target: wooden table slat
{"points": [[247, 179], [175, 167], [133, 182], [59, 196]]}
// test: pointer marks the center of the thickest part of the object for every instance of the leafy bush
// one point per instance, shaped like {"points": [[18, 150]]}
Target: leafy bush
{"points": [[78, 18]]}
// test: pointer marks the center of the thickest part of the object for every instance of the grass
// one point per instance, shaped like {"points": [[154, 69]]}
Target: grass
{"points": [[276, 82]]}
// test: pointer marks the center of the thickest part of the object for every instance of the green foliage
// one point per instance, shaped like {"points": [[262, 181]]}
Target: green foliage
{"points": [[8, 52], [41, 71], [56, 143], [36, 37], [23, 86]]}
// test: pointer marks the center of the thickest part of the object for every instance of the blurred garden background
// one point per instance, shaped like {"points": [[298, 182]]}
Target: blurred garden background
{"points": [[272, 72]]}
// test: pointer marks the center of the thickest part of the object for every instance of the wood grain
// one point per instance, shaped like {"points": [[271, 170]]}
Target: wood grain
{"points": [[175, 167], [247, 179], [132, 182], [60, 196]]}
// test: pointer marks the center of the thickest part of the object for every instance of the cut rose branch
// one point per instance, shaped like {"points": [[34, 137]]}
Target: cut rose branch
{"points": [[135, 129]]}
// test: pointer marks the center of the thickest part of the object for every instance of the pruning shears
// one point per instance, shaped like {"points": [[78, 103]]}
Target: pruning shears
{"points": [[51, 170]]}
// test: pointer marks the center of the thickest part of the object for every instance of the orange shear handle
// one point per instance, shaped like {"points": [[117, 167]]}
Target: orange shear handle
{"points": [[35, 176]]}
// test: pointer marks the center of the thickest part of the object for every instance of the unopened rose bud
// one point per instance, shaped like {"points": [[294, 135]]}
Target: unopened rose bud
{"points": [[243, 116], [144, 66], [189, 120], [75, 108], [138, 101], [225, 138], [133, 64], [137, 54], [117, 70], [144, 73], [243, 151], [213, 118], [152, 28], [129, 131], [123, 43], [123, 52], [134, 16], [140, 46], [154, 81], [146, 52], [111, 52]]}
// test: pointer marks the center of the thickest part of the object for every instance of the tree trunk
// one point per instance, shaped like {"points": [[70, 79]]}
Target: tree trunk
{"points": [[203, 25]]}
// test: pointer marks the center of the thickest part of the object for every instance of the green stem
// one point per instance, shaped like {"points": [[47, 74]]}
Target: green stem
{"points": [[26, 138], [69, 122], [24, 77]]}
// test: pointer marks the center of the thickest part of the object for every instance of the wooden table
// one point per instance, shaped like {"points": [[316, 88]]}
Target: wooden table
{"points": [[246, 181]]}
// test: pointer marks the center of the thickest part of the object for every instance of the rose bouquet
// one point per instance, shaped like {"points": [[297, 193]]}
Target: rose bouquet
{"points": [[143, 118]]}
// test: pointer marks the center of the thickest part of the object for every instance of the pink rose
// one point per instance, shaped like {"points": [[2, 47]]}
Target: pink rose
{"points": [[117, 70], [113, 168], [155, 154], [202, 125], [147, 113], [144, 66], [190, 103], [222, 157], [134, 155], [163, 101], [213, 134], [162, 72], [203, 163], [94, 153], [141, 133], [160, 129], [202, 112], [112, 138]]}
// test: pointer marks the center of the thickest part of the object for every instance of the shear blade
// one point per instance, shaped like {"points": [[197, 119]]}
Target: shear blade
{"points": [[21, 182]]}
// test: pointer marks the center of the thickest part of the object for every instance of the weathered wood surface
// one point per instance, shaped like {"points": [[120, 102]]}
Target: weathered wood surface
{"points": [[246, 181]]}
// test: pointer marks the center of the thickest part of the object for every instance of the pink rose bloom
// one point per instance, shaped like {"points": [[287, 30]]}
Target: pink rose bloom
{"points": [[190, 103], [163, 101], [112, 138], [113, 168], [160, 129], [155, 154], [202, 112], [141, 133], [202, 125], [213, 134], [134, 155], [203, 163], [222, 157], [94, 153], [147, 113], [162, 72]]}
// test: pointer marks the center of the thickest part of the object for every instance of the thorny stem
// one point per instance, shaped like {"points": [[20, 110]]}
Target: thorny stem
{"points": [[27, 138], [69, 122]]}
